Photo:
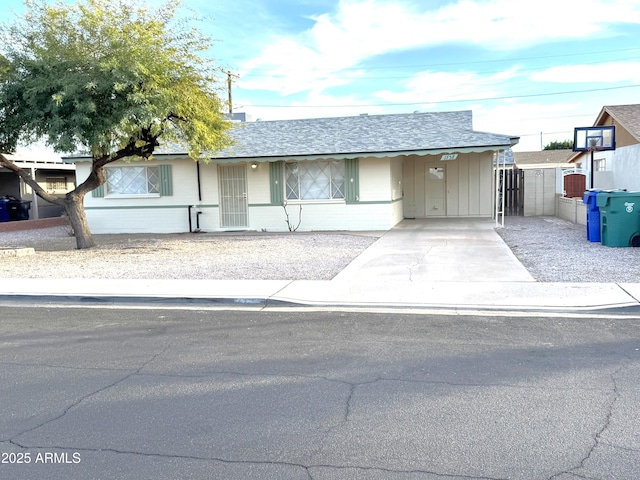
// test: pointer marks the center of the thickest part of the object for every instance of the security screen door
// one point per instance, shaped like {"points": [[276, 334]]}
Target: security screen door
{"points": [[233, 196], [436, 191]]}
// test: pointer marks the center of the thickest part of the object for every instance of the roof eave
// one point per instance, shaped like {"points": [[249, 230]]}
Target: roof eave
{"points": [[337, 156], [343, 156]]}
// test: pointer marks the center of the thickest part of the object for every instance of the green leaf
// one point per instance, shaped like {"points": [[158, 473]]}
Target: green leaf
{"points": [[106, 76]]}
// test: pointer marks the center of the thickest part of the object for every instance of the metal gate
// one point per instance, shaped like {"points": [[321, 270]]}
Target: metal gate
{"points": [[233, 196], [512, 186]]}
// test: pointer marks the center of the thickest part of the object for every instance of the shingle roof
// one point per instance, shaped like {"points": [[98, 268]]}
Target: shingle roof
{"points": [[372, 135], [551, 157], [364, 134], [627, 116]]}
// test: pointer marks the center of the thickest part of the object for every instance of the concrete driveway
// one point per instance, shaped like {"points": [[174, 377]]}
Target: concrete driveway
{"points": [[441, 249]]}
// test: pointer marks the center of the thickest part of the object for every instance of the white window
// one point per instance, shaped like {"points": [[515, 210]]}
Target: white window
{"points": [[55, 184], [319, 180], [599, 164], [133, 181]]}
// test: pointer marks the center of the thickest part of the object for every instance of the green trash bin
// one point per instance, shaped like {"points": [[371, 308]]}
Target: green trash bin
{"points": [[619, 218]]}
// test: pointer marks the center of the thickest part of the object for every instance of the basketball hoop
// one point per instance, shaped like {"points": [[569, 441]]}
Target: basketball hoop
{"points": [[594, 139], [595, 148], [588, 139]]}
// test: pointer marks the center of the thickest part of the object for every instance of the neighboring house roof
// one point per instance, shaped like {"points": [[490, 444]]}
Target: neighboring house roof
{"points": [[28, 162], [342, 137], [627, 116], [544, 158]]}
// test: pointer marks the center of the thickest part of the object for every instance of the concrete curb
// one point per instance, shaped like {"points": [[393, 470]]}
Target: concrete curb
{"points": [[524, 297], [630, 309]]}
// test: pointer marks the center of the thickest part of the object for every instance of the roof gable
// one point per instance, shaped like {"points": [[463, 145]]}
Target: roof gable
{"points": [[626, 116]]}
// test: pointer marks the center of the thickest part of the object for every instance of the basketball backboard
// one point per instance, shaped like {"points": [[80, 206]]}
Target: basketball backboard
{"points": [[589, 139]]}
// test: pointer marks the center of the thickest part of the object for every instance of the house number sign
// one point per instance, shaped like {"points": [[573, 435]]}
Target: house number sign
{"points": [[449, 156]]}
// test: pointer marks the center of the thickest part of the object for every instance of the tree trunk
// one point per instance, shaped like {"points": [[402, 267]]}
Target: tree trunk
{"points": [[74, 206], [73, 202]]}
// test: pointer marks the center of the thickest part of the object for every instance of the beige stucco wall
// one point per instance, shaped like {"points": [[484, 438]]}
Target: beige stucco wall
{"points": [[379, 207], [375, 179], [163, 214]]}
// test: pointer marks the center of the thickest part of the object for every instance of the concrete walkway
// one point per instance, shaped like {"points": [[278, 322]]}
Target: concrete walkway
{"points": [[452, 264]]}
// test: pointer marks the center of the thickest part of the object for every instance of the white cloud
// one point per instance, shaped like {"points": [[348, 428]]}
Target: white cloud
{"points": [[609, 72], [508, 24], [331, 54], [361, 29], [447, 87], [312, 72], [313, 107], [537, 124]]}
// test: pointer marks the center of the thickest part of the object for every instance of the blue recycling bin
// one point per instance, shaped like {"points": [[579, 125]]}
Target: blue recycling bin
{"points": [[4, 210], [593, 215]]}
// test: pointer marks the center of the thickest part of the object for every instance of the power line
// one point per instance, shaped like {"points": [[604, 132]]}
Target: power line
{"points": [[533, 95], [409, 76], [476, 62], [544, 133]]}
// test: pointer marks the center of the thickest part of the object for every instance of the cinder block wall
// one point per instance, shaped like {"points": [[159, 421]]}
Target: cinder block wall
{"points": [[572, 209], [540, 192]]}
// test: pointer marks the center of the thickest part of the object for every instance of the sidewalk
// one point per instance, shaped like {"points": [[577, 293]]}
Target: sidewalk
{"points": [[512, 296], [450, 264]]}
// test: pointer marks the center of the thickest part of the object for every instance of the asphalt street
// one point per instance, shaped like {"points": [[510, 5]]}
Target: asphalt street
{"points": [[115, 393]]}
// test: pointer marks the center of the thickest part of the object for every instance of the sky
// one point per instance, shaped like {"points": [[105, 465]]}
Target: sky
{"points": [[530, 69]]}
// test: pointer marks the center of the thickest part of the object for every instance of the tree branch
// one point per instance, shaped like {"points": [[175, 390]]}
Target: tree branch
{"points": [[97, 176]]}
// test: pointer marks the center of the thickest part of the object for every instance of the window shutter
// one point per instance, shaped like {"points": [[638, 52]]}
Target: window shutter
{"points": [[276, 179], [352, 180], [98, 192], [166, 182]]}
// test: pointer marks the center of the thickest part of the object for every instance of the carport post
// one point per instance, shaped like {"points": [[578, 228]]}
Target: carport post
{"points": [[500, 188], [36, 213]]}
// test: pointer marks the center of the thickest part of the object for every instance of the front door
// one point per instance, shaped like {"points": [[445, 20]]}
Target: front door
{"points": [[436, 191], [233, 196]]}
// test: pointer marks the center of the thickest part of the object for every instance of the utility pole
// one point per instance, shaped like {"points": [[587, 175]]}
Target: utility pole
{"points": [[229, 82]]}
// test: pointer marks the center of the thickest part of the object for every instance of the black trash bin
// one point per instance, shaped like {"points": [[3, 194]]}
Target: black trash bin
{"points": [[18, 209]]}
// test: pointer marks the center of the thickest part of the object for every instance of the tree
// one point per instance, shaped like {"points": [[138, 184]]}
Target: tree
{"points": [[109, 78], [566, 145]]}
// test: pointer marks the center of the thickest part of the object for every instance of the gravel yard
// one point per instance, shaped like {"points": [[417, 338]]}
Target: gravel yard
{"points": [[247, 256], [553, 250]]}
